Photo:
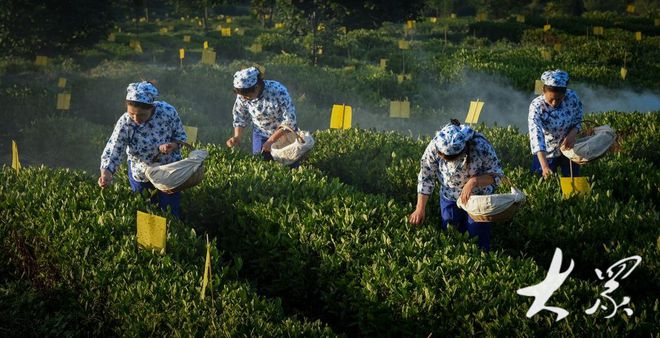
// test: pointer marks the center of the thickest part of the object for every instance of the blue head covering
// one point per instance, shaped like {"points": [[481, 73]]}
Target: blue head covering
{"points": [[143, 92], [451, 140], [555, 78]]}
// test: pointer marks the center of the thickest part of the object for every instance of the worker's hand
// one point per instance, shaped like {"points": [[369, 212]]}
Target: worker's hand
{"points": [[569, 140], [105, 179], [266, 146], [547, 172], [167, 148], [467, 189], [232, 141], [417, 217]]}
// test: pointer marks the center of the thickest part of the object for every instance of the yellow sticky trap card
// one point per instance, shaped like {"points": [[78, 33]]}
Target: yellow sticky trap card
{"points": [[433, 19], [207, 270], [474, 111], [520, 18], [341, 117], [200, 23], [403, 44], [320, 27], [545, 55], [538, 87], [256, 48], [410, 24], [112, 37], [63, 101], [208, 57], [151, 231], [186, 38], [229, 20], [599, 30], [403, 77], [319, 51], [400, 109], [182, 53], [630, 8], [279, 25], [163, 31], [546, 28], [15, 163], [638, 36], [61, 82], [267, 16], [191, 132], [383, 63], [41, 60], [206, 45], [225, 32], [624, 73], [574, 185], [557, 47]]}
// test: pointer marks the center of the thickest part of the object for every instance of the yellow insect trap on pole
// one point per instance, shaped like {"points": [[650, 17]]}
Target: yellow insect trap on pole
{"points": [[191, 132], [403, 44], [61, 82], [208, 57], [206, 45], [186, 38], [41, 60], [182, 53], [207, 270], [520, 18], [279, 25], [638, 36], [474, 111], [547, 27], [151, 231], [403, 77], [574, 185], [341, 117], [433, 19], [400, 109], [15, 163], [225, 32], [538, 87], [410, 24], [63, 101], [623, 73], [630, 8], [383, 63]]}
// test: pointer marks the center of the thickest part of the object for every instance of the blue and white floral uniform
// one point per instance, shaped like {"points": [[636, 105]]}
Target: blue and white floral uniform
{"points": [[140, 143], [267, 112], [548, 126], [479, 159]]}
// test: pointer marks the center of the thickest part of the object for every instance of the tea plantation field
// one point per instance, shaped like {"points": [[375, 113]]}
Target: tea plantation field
{"points": [[325, 249]]}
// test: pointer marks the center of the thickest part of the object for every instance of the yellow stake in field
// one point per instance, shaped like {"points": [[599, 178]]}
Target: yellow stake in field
{"points": [[15, 163], [207, 271], [191, 132], [341, 117], [474, 111]]}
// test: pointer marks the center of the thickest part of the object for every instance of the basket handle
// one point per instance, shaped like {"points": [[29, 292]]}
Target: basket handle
{"points": [[288, 129]]}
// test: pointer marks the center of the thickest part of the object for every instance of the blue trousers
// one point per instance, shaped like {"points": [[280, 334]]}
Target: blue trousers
{"points": [[164, 200], [258, 141], [561, 161], [451, 213]]}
